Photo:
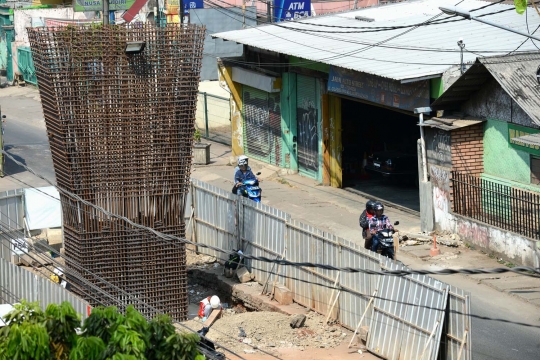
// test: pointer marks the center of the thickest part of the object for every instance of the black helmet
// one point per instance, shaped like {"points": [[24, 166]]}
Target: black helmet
{"points": [[370, 204], [378, 206]]}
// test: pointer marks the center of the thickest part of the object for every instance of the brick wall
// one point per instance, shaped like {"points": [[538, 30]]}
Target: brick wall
{"points": [[468, 149]]}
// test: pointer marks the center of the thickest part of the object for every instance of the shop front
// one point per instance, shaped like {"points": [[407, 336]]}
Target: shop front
{"points": [[377, 118]]}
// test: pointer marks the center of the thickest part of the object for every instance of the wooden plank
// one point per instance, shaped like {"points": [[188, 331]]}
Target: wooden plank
{"points": [[216, 313]]}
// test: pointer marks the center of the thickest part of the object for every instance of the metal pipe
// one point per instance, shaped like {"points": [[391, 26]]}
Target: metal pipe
{"points": [[423, 146], [105, 15]]}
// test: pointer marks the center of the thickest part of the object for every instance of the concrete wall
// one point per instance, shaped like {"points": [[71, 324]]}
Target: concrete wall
{"points": [[492, 102], [500, 159], [508, 245], [23, 19], [216, 21]]}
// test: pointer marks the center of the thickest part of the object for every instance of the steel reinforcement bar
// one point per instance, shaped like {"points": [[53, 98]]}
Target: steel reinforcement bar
{"points": [[120, 127]]}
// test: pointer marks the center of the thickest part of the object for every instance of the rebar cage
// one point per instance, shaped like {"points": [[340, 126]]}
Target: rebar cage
{"points": [[120, 127]]}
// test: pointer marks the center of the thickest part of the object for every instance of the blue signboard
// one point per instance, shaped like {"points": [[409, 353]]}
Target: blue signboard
{"points": [[378, 89], [192, 4], [291, 9]]}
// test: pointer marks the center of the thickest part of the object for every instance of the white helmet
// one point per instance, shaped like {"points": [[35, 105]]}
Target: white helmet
{"points": [[242, 160], [214, 302]]}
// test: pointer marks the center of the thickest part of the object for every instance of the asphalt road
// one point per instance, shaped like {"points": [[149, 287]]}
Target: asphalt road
{"points": [[25, 138]]}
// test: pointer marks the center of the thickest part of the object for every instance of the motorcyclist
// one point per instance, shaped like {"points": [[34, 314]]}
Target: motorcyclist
{"points": [[243, 173], [366, 215], [378, 222]]}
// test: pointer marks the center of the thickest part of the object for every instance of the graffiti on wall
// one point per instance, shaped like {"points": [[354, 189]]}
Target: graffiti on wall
{"points": [[438, 147], [477, 234], [308, 135], [440, 179]]}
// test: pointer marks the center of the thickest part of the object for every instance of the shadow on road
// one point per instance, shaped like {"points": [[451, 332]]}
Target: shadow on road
{"points": [[10, 168]]}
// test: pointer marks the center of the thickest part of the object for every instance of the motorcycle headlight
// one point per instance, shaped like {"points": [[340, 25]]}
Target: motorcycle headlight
{"points": [[389, 162]]}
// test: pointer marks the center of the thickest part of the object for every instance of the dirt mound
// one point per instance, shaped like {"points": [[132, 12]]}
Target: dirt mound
{"points": [[245, 332]]}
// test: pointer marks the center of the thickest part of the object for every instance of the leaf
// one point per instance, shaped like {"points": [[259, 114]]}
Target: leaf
{"points": [[521, 6]]}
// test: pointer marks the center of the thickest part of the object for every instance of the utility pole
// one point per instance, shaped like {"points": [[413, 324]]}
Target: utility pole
{"points": [[105, 15], [243, 14], [461, 45], [269, 11], [181, 10]]}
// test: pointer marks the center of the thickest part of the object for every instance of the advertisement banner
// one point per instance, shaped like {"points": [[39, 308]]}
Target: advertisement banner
{"points": [[97, 5], [379, 90], [173, 5], [291, 9]]}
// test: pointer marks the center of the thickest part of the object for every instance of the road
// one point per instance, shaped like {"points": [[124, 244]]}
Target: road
{"points": [[25, 138]]}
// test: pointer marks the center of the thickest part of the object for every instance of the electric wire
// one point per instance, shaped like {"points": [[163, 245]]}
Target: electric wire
{"points": [[340, 288], [339, 55], [135, 297], [524, 270]]}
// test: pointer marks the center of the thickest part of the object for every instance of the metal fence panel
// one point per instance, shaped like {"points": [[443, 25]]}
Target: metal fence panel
{"points": [[456, 334], [11, 217], [386, 327], [214, 218], [213, 118], [353, 303], [407, 314], [262, 234], [17, 283], [423, 318]]}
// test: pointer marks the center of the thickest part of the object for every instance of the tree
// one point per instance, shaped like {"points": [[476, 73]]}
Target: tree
{"points": [[32, 334]]}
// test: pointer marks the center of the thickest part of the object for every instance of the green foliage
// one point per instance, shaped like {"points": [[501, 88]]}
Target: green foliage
{"points": [[182, 346], [159, 330], [32, 334], [103, 322], [25, 312], [61, 323], [26, 341], [197, 135], [521, 6], [88, 348]]}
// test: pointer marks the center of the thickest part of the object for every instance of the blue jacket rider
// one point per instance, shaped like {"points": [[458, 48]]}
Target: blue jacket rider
{"points": [[243, 173]]}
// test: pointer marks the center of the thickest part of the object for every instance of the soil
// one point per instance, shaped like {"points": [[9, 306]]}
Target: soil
{"points": [[260, 332]]}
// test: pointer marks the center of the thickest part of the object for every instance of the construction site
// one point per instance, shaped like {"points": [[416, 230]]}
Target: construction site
{"points": [[119, 105]]}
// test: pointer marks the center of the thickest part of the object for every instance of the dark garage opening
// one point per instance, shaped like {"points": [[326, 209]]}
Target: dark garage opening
{"points": [[369, 129]]}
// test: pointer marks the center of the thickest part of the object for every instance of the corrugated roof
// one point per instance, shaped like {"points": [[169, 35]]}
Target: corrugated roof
{"points": [[531, 139], [406, 56], [451, 123], [517, 76]]}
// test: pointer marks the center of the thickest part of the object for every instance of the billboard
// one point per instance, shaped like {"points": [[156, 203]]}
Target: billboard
{"points": [[173, 5], [291, 9], [97, 5], [379, 90]]}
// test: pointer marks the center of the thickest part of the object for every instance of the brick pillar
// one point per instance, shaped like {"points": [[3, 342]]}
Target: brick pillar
{"points": [[468, 149], [467, 146]]}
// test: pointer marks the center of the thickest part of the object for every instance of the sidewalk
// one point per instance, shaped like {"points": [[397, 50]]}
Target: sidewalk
{"points": [[337, 211]]}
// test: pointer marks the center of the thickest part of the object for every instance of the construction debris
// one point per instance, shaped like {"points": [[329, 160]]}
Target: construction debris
{"points": [[298, 321], [120, 126]]}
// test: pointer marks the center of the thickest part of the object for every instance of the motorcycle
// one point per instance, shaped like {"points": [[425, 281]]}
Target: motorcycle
{"points": [[386, 241], [250, 189]]}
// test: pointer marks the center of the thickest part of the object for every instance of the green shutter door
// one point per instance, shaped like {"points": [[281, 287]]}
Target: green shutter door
{"points": [[308, 125], [262, 125]]}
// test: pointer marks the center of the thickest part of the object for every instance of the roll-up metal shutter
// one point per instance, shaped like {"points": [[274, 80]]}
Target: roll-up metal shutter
{"points": [[308, 123], [262, 125]]}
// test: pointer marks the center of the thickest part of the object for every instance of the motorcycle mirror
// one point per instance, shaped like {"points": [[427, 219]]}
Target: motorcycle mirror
{"points": [[259, 173], [396, 223], [3, 116]]}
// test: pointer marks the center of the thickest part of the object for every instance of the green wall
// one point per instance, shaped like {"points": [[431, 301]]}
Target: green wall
{"points": [[503, 162], [436, 87], [288, 127], [308, 64]]}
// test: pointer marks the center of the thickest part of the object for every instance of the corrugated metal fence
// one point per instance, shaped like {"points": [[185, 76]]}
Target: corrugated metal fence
{"points": [[409, 318], [11, 217], [17, 283]]}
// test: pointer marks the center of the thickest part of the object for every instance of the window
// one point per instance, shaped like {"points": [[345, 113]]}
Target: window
{"points": [[535, 170]]}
